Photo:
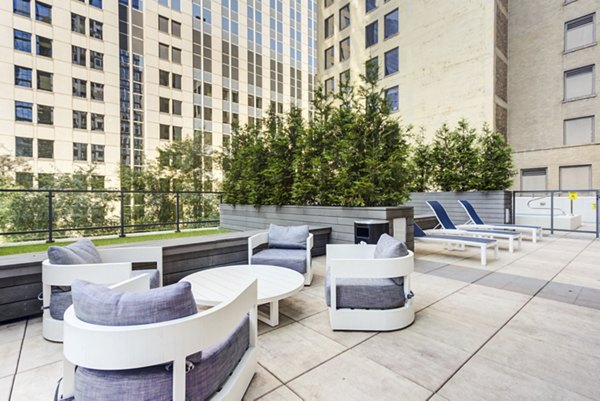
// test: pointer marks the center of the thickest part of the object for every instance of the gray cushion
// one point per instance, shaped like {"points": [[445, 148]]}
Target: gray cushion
{"points": [[389, 247], [366, 293], [292, 237], [154, 276], [98, 304], [59, 302], [294, 259], [81, 252], [211, 369]]}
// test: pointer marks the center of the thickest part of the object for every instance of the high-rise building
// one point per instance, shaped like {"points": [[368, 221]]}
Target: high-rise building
{"points": [[107, 82]]}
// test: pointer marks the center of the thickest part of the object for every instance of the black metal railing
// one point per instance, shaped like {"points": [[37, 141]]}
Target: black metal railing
{"points": [[39, 213]]}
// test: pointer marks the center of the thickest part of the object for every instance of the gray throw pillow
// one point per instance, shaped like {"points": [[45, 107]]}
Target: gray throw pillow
{"points": [[389, 247], [291, 237], [98, 304], [81, 252]]}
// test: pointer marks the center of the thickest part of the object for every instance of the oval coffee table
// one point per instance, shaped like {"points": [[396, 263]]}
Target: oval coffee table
{"points": [[213, 286]]}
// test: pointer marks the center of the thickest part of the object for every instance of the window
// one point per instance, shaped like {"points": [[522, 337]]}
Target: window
{"points": [[390, 26], [97, 122], [177, 107], [329, 86], [44, 80], [372, 69], [371, 32], [329, 27], [207, 89], [163, 24], [578, 131], [23, 111], [391, 61], [328, 3], [370, 5], [79, 151], [43, 46], [175, 29], [580, 32], [24, 180], [97, 91], [579, 82], [163, 77], [226, 117], [79, 119], [235, 96], [226, 94], [79, 87], [96, 29], [345, 49], [78, 55], [45, 114], [575, 177], [77, 23], [96, 60], [45, 149], [96, 3], [344, 80], [163, 105], [534, 179], [22, 7], [23, 147], [23, 76], [22, 41], [98, 154], [43, 12], [177, 133], [163, 51], [345, 17], [164, 131], [176, 55], [391, 96], [176, 78], [207, 114], [329, 57]]}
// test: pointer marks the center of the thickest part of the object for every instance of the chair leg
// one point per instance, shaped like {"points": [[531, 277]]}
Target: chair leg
{"points": [[511, 245], [483, 255], [272, 318]]}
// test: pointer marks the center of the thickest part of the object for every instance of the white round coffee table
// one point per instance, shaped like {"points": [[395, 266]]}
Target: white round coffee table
{"points": [[213, 286]]}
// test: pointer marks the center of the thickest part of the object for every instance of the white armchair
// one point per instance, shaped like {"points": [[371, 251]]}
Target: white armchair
{"points": [[366, 293], [149, 361], [116, 266]]}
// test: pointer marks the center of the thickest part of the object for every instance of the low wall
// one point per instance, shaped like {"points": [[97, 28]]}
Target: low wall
{"points": [[492, 206], [21, 275], [340, 219]]}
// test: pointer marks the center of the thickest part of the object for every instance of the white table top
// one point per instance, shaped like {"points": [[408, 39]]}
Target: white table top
{"points": [[213, 286]]}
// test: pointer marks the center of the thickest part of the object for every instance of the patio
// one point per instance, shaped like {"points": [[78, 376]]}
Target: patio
{"points": [[524, 327]]}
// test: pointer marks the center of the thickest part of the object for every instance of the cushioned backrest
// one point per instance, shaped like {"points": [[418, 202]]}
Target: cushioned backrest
{"points": [[98, 304], [292, 237], [81, 252], [389, 247]]}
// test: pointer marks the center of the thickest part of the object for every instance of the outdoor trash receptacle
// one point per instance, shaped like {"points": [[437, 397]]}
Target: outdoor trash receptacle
{"points": [[369, 231]]}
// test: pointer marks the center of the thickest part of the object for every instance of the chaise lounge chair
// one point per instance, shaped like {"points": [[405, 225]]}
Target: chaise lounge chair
{"points": [[476, 222], [458, 242], [448, 227]]}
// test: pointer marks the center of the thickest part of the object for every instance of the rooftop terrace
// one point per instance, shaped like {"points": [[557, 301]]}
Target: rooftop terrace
{"points": [[524, 327]]}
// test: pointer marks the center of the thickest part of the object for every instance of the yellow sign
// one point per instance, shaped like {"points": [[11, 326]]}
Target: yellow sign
{"points": [[573, 195], [593, 206]]}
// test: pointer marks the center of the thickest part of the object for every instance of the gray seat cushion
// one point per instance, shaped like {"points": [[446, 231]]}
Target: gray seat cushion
{"points": [[366, 293], [83, 251], [291, 237], [294, 259], [211, 369]]}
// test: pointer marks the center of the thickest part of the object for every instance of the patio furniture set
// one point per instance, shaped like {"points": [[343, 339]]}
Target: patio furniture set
{"points": [[127, 337]]}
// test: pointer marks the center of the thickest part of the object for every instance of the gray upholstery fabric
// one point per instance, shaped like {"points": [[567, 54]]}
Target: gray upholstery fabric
{"points": [[154, 276], [389, 247], [294, 259], [59, 302], [292, 237], [98, 304], [366, 293], [81, 252], [211, 369]]}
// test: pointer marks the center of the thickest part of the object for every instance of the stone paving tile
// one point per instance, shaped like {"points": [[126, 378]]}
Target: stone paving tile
{"points": [[301, 305], [483, 379], [262, 383], [429, 289], [294, 349], [560, 292], [320, 324], [11, 337], [265, 328], [589, 297], [316, 287], [5, 385], [460, 273], [417, 357], [36, 350], [281, 394], [354, 377], [37, 384]]}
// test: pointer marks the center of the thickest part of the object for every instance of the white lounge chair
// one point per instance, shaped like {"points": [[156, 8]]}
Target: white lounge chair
{"points": [[476, 222], [458, 242], [448, 227]]}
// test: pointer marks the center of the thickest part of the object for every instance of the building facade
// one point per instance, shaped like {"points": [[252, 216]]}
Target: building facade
{"points": [[553, 80], [438, 60], [108, 82]]}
